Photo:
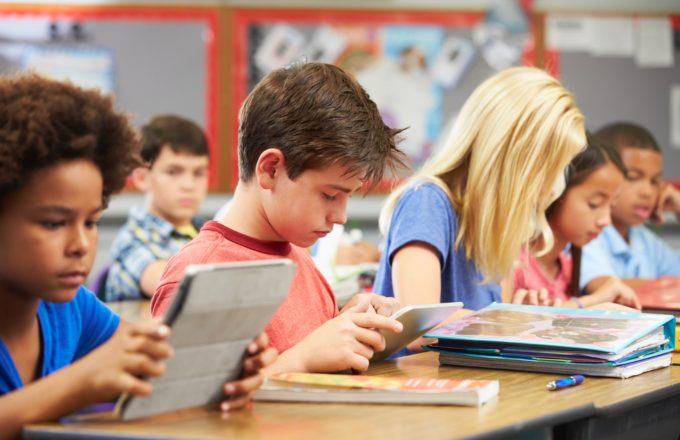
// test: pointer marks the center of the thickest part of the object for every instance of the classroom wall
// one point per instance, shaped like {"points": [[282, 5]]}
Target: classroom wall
{"points": [[158, 66], [615, 89]]}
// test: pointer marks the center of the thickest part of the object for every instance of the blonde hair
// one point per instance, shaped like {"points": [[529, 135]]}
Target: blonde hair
{"points": [[510, 145]]}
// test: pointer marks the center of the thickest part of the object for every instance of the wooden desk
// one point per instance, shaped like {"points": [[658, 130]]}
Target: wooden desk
{"points": [[523, 408]]}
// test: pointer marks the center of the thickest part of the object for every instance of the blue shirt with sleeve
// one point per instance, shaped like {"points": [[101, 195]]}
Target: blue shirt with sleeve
{"points": [[645, 256], [69, 331], [144, 239], [425, 214]]}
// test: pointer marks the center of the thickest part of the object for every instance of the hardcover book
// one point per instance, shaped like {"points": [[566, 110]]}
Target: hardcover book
{"points": [[557, 340], [313, 387], [661, 296]]}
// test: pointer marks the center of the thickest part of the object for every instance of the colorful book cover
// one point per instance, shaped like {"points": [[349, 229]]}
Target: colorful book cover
{"points": [[337, 388], [410, 384], [661, 294], [584, 329]]}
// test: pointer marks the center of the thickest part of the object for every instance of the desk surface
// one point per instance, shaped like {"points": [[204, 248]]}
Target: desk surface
{"points": [[523, 404]]}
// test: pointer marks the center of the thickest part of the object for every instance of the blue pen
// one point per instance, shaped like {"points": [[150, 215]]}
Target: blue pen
{"points": [[566, 382]]}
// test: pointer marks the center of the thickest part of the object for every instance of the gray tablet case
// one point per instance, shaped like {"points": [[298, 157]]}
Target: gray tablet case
{"points": [[218, 310]]}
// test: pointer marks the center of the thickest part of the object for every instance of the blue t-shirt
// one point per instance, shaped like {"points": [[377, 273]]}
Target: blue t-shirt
{"points": [[425, 214], [69, 331], [644, 256]]}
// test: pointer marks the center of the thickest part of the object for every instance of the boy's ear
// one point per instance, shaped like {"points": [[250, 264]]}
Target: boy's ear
{"points": [[269, 166], [140, 178]]}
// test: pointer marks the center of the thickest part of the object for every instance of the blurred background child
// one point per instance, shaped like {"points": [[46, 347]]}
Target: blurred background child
{"points": [[175, 179], [627, 248]]}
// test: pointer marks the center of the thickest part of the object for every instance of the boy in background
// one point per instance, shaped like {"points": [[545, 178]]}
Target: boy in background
{"points": [[63, 152], [309, 138], [175, 180], [627, 248]]}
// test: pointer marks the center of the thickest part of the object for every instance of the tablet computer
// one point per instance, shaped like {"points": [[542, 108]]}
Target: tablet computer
{"points": [[417, 320], [216, 313]]}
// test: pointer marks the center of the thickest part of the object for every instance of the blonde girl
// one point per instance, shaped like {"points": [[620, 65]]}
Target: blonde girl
{"points": [[456, 227]]}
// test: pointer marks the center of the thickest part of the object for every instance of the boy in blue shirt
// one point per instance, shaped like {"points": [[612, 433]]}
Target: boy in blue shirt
{"points": [[175, 179], [63, 152], [627, 248]]}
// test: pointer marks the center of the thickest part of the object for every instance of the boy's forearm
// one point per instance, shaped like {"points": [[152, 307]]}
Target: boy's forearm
{"points": [[287, 362], [46, 399]]}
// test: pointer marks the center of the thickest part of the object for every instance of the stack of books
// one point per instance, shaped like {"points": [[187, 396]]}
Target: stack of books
{"points": [[557, 340]]}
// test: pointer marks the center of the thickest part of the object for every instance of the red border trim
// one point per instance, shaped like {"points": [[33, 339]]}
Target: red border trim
{"points": [[212, 47]]}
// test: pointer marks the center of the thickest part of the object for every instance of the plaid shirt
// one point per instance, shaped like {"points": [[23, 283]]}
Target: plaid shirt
{"points": [[143, 240]]}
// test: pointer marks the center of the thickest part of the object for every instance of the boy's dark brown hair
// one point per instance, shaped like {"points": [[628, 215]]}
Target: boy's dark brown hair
{"points": [[180, 134], [45, 122], [317, 115], [626, 134]]}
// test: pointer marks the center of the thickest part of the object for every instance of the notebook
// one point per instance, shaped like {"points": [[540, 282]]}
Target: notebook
{"points": [[313, 387], [216, 313], [557, 340], [660, 296]]}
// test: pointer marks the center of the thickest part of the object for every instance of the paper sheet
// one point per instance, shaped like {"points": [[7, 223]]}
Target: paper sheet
{"points": [[568, 33], [654, 38], [675, 115], [611, 36]]}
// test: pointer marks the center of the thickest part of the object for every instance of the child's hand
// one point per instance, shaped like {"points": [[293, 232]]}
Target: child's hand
{"points": [[347, 341], [611, 307], [259, 356], [669, 200], [532, 297], [134, 350], [382, 305], [616, 291]]}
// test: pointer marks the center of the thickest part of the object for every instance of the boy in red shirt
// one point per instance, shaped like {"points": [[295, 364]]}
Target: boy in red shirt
{"points": [[309, 138]]}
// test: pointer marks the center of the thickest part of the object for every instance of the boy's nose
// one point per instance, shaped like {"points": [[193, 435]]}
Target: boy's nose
{"points": [[79, 243], [648, 189], [338, 216]]}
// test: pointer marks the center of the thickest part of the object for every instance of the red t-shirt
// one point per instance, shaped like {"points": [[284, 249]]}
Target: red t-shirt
{"points": [[531, 276], [310, 301]]}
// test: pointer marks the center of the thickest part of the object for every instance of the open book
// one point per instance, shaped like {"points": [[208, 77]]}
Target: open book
{"points": [[557, 340], [313, 387]]}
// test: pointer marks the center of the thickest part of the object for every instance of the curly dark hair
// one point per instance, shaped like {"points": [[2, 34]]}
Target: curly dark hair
{"points": [[44, 122]]}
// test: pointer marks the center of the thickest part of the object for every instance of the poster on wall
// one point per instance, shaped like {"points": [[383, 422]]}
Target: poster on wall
{"points": [[419, 67], [90, 68]]}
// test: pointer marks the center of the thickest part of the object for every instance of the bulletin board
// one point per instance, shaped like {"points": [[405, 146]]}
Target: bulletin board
{"points": [[611, 89], [418, 66], [153, 59]]}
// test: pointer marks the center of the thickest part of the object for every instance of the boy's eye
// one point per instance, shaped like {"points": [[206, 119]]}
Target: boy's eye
{"points": [[90, 224], [200, 173], [593, 205], [52, 224], [328, 197]]}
